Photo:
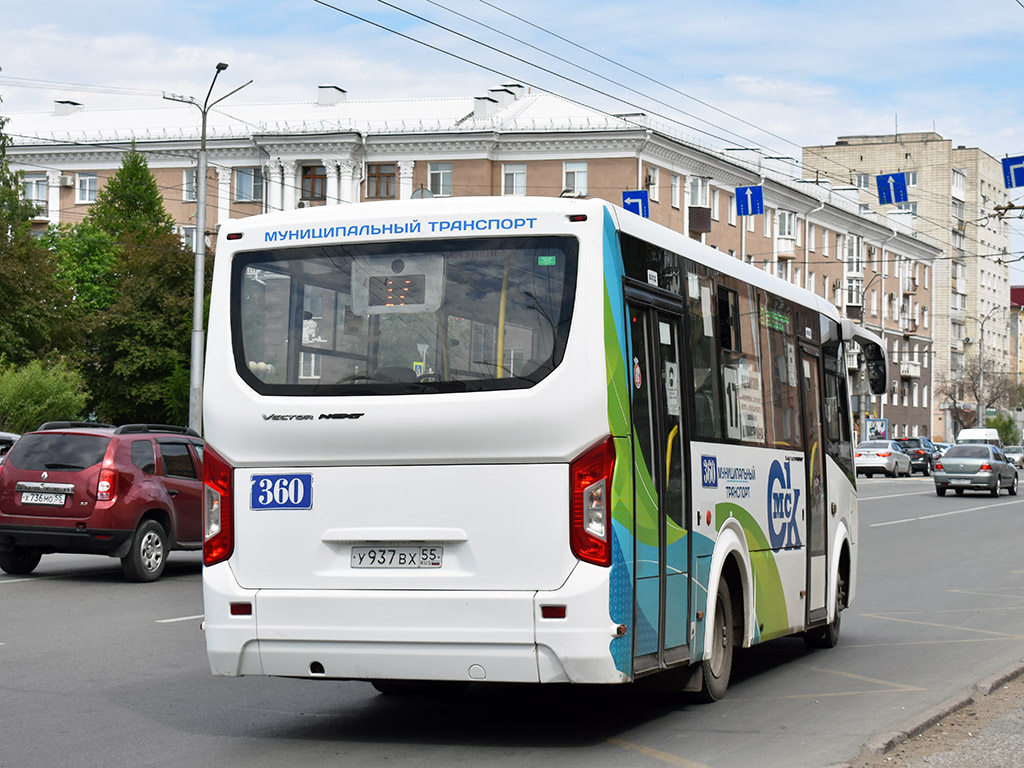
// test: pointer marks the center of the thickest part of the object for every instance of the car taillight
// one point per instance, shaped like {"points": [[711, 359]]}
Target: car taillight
{"points": [[856, 455], [218, 514], [938, 465], [590, 524], [884, 454], [986, 467], [106, 486]]}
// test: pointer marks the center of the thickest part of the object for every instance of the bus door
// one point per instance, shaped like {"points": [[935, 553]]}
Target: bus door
{"points": [[817, 520], [661, 544]]}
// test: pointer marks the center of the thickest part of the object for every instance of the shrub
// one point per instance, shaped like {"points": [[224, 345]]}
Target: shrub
{"points": [[37, 392]]}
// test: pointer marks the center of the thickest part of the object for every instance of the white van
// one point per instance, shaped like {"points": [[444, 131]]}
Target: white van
{"points": [[979, 435]]}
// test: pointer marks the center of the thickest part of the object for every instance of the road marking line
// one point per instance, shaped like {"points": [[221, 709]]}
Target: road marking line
{"points": [[180, 618], [852, 676], [657, 754], [943, 626], [944, 514]]}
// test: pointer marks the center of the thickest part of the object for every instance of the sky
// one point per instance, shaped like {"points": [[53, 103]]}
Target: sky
{"points": [[775, 74]]}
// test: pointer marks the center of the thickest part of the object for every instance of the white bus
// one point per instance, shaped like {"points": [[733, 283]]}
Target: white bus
{"points": [[517, 439]]}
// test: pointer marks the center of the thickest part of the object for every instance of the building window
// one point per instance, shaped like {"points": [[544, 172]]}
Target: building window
{"points": [[767, 223], [187, 235], [248, 185], [34, 188], [911, 177], [787, 224], [732, 209], [912, 207], [513, 179], [750, 223], [381, 181], [674, 187], [864, 181], [439, 179], [714, 204], [854, 253], [85, 188], [314, 182], [699, 192], [188, 185], [574, 178], [959, 182], [653, 181], [824, 242]]}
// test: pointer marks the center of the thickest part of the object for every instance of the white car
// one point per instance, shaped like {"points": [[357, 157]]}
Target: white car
{"points": [[874, 456]]}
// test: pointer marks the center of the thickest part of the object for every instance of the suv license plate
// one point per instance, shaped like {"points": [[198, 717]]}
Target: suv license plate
{"points": [[397, 557], [51, 499]]}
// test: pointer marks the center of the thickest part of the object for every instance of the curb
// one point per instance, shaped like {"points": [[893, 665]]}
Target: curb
{"points": [[883, 742], [989, 684]]}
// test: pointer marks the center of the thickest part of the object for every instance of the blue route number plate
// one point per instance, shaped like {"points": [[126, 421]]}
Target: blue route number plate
{"points": [[282, 491]]}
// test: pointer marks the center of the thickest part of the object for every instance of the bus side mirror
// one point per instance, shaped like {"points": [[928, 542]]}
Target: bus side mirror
{"points": [[874, 360]]}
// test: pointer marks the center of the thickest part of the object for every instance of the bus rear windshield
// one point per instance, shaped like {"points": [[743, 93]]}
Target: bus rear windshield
{"points": [[403, 317]]}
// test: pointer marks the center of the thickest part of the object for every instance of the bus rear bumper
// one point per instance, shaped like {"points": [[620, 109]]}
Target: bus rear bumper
{"points": [[470, 636]]}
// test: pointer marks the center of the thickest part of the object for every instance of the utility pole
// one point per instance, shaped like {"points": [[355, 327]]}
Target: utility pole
{"points": [[195, 392]]}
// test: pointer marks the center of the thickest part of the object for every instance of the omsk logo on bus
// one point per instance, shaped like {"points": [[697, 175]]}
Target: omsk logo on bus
{"points": [[782, 506], [709, 471], [282, 491]]}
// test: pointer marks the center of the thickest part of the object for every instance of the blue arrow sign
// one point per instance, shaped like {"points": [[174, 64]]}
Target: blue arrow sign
{"points": [[1013, 172], [892, 188], [637, 201], [749, 201]]}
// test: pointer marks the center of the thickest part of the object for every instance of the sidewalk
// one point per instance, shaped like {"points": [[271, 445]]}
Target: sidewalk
{"points": [[981, 729]]}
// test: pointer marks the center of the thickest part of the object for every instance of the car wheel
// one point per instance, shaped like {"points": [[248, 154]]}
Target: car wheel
{"points": [[891, 473], [147, 556], [828, 635], [1013, 485], [927, 469], [20, 560], [716, 670], [995, 488], [940, 491]]}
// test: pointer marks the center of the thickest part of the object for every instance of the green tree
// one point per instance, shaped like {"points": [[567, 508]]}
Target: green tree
{"points": [[130, 205], [34, 393], [1007, 427], [86, 260], [34, 303]]}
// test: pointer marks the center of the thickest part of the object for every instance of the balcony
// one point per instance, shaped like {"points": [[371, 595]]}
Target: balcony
{"points": [[910, 370], [908, 285], [852, 361], [909, 327]]}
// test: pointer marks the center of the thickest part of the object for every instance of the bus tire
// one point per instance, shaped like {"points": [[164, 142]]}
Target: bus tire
{"points": [[827, 636], [715, 670]]}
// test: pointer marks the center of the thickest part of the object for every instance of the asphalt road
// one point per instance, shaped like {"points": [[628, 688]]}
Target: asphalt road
{"points": [[96, 671]]}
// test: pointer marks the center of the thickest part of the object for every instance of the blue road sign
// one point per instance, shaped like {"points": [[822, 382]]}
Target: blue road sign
{"points": [[1013, 172], [749, 201], [892, 188], [637, 201]]}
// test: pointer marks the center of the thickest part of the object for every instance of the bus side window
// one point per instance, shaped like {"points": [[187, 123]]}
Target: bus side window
{"points": [[703, 352]]}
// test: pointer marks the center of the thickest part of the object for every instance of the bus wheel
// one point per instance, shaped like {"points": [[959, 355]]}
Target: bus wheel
{"points": [[717, 668], [828, 635]]}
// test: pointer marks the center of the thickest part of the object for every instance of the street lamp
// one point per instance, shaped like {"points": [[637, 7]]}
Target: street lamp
{"points": [[195, 392], [981, 364]]}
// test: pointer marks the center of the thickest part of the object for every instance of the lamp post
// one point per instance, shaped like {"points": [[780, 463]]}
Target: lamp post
{"points": [[195, 392], [981, 365]]}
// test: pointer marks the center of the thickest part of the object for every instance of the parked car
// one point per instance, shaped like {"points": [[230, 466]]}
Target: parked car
{"points": [[974, 467], [7, 439], [921, 451], [133, 492], [874, 456], [1015, 453]]}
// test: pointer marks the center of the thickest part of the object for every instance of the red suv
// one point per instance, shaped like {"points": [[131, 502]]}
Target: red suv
{"points": [[134, 492]]}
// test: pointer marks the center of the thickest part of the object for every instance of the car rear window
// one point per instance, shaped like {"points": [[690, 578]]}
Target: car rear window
{"points": [[874, 444], [910, 443], [967, 452], [58, 451]]}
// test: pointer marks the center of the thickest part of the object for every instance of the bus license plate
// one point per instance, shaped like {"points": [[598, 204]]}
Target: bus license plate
{"points": [[50, 499], [397, 557]]}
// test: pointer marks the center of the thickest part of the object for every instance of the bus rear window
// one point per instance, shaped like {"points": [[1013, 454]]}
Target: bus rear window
{"points": [[403, 317]]}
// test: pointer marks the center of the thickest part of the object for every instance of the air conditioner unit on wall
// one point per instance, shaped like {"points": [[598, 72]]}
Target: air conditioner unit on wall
{"points": [[67, 181]]}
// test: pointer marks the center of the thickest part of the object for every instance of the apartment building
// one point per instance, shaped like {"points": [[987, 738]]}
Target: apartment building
{"points": [[337, 151], [952, 197]]}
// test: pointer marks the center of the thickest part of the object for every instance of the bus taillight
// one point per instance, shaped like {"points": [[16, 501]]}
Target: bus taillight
{"points": [[218, 515], [590, 478]]}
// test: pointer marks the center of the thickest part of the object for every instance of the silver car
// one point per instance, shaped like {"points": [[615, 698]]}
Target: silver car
{"points": [[974, 467], [1015, 453], [874, 456]]}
